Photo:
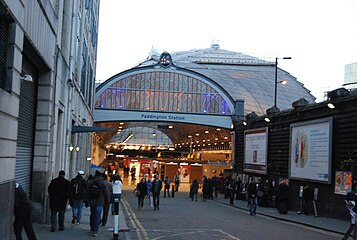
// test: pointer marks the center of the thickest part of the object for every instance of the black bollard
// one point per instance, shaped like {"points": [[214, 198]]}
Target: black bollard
{"points": [[173, 191], [116, 219]]}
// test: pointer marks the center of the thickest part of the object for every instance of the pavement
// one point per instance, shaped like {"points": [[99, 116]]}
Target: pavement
{"points": [[82, 231]]}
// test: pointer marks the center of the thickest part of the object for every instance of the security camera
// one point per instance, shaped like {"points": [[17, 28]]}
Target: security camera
{"points": [[27, 78], [70, 82]]}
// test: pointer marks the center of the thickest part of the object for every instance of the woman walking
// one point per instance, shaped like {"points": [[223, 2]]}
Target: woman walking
{"points": [[141, 192]]}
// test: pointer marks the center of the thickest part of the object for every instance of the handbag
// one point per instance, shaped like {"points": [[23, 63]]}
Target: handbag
{"points": [[137, 193]]}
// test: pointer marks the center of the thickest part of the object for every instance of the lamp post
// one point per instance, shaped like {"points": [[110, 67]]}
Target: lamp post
{"points": [[276, 79]]}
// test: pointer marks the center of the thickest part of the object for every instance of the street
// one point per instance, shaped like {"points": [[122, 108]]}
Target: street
{"points": [[181, 218]]}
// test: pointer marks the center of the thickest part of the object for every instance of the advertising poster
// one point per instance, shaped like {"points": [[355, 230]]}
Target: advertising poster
{"points": [[343, 182], [310, 150], [184, 172], [255, 150]]}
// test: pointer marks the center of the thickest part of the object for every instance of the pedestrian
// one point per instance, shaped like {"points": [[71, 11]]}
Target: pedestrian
{"points": [[252, 197], [194, 190], [77, 192], [59, 192], [156, 188], [149, 186], [97, 196], [106, 206], [22, 212], [133, 173], [167, 187], [177, 182], [117, 185], [141, 192], [232, 191], [350, 204]]}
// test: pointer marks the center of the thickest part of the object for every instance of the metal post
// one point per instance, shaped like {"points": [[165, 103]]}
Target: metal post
{"points": [[116, 219], [173, 191]]}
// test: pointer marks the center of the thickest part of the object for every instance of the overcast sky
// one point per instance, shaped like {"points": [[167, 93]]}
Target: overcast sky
{"points": [[319, 35]]}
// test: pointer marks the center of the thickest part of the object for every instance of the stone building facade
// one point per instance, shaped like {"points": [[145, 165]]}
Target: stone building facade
{"points": [[47, 75]]}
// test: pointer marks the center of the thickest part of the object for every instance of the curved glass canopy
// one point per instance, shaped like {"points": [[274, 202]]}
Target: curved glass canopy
{"points": [[163, 91]]}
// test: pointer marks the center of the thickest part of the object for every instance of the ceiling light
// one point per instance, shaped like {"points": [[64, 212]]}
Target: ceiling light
{"points": [[197, 134], [206, 131], [267, 119], [121, 123], [171, 126], [244, 123], [218, 129]]}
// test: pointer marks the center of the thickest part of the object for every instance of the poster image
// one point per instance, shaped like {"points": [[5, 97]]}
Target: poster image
{"points": [[184, 172], [255, 151], [343, 182], [310, 150]]}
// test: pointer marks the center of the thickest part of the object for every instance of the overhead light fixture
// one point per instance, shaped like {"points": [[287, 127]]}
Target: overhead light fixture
{"points": [[171, 126], [244, 123], [77, 149], [189, 136], [71, 148], [267, 119], [330, 105], [121, 123], [206, 131], [218, 129], [197, 134], [154, 134]]}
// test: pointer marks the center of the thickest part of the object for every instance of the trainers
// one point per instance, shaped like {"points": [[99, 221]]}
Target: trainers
{"points": [[94, 234], [52, 230], [73, 221]]}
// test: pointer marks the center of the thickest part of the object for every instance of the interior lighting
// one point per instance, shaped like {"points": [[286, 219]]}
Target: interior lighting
{"points": [[206, 131], [121, 123], [244, 123], [218, 129], [171, 126], [225, 137], [120, 127], [77, 149], [189, 136], [197, 134], [154, 134], [71, 148], [216, 139], [267, 119]]}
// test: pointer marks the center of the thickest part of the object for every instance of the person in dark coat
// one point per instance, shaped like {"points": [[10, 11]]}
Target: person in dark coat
{"points": [[252, 197], [97, 195], [59, 192], [283, 197], [156, 188], [142, 190], [194, 190], [77, 191], [22, 212]]}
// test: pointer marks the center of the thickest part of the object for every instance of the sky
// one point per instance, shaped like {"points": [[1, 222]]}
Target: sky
{"points": [[319, 35]]}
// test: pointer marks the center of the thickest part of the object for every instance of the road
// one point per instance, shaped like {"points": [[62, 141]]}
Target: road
{"points": [[181, 218]]}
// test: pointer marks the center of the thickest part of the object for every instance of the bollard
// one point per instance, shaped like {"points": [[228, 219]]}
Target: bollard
{"points": [[173, 191], [116, 219]]}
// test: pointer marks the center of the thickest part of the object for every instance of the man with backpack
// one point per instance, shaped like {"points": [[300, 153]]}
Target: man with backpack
{"points": [[97, 196], [167, 187], [77, 191]]}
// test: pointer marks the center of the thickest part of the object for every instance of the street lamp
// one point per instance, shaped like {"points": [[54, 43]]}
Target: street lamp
{"points": [[276, 79]]}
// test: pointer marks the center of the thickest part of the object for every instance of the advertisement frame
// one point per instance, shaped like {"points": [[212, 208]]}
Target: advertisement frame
{"points": [[328, 120], [265, 155]]}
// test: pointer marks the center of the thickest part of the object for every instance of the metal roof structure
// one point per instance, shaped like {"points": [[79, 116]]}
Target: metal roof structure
{"points": [[242, 76]]}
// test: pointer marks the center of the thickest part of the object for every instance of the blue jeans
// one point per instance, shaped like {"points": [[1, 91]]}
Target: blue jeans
{"points": [[252, 205], [95, 217], [156, 198], [77, 207]]}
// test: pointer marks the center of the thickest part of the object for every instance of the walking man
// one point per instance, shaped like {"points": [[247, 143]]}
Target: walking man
{"points": [[77, 191], [58, 191], [156, 188], [106, 206], [252, 197], [97, 196], [177, 182], [167, 187], [22, 212]]}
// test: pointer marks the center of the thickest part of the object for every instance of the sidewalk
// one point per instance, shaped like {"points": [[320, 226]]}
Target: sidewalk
{"points": [[328, 224], [82, 231]]}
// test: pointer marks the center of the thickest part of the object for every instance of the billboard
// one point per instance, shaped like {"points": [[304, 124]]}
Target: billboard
{"points": [[310, 150], [255, 150]]}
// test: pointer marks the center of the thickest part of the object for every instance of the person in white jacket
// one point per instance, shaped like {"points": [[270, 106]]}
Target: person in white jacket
{"points": [[350, 204]]}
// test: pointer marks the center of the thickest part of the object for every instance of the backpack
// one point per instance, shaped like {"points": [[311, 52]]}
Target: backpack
{"points": [[77, 188], [167, 183], [95, 190]]}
